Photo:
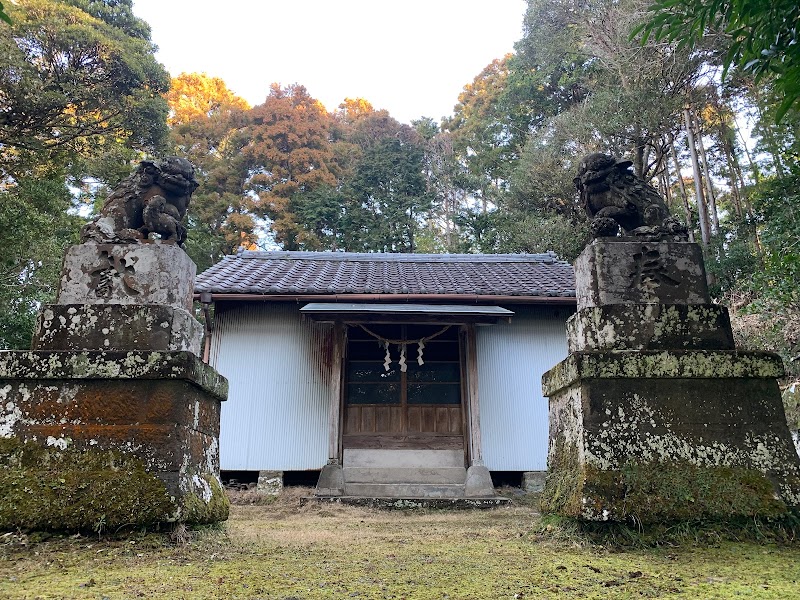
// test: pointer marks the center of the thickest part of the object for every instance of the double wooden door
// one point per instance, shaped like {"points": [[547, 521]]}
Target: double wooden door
{"points": [[406, 398]]}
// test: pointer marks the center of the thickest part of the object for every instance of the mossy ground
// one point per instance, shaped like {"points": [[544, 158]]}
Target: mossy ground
{"points": [[285, 551]]}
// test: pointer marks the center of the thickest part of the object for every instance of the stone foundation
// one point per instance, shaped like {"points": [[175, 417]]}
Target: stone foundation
{"points": [[666, 417], [157, 414], [270, 483], [654, 416], [112, 421], [117, 327]]}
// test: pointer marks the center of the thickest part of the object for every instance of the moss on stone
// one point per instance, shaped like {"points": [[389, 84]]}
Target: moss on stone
{"points": [[564, 481], [77, 490], [659, 492], [197, 510]]}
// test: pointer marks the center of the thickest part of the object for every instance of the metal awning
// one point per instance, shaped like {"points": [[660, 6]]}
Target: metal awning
{"points": [[406, 313]]}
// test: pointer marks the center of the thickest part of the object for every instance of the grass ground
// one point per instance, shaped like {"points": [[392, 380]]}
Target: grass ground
{"points": [[289, 552]]}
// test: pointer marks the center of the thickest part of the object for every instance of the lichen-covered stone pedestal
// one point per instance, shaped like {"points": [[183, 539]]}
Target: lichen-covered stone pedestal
{"points": [[654, 415], [112, 420]]}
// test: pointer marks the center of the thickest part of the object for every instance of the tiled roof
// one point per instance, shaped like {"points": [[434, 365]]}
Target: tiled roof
{"points": [[327, 273]]}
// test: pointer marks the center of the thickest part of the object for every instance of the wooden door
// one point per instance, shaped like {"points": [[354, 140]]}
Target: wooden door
{"points": [[419, 407]]}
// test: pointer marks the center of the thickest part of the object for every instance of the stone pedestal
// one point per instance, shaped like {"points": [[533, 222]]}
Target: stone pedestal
{"points": [[654, 416], [112, 420], [270, 483]]}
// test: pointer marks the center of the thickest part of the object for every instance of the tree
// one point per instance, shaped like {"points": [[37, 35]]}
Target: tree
{"points": [[484, 134], [763, 36], [80, 96], [289, 153], [196, 96], [387, 199], [34, 228], [207, 127], [75, 89]]}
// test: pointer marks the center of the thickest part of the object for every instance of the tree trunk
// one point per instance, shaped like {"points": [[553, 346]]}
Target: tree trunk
{"points": [[712, 201], [682, 187], [702, 209], [753, 167], [736, 193]]}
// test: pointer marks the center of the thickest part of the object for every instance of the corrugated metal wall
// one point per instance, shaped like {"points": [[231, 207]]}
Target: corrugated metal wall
{"points": [[511, 360], [278, 366]]}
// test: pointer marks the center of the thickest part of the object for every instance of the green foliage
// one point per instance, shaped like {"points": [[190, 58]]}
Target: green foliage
{"points": [[34, 230], [762, 33], [74, 86], [776, 203], [732, 259], [80, 96], [386, 198], [522, 232]]}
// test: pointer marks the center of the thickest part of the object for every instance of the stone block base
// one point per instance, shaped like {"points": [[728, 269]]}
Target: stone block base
{"points": [[143, 273], [331, 481], [114, 327], [533, 481], [669, 436], [109, 439], [627, 271], [270, 483], [650, 327], [479, 483]]}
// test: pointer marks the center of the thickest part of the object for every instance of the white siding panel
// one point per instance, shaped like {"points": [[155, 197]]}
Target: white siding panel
{"points": [[511, 360], [278, 366]]}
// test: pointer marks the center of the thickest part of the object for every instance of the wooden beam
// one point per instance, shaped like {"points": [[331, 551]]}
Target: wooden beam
{"points": [[335, 406], [472, 400]]}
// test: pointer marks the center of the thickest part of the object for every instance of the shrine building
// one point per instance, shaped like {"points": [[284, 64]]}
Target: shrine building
{"points": [[391, 375]]}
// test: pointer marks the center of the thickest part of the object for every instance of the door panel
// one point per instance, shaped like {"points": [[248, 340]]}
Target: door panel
{"points": [[412, 408]]}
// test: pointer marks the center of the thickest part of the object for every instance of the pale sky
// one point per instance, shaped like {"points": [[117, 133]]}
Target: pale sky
{"points": [[410, 57]]}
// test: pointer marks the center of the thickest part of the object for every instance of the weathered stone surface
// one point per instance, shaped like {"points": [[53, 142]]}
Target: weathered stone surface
{"points": [[92, 365], [630, 271], [117, 327], [160, 409], [650, 327], [662, 365], [606, 433], [270, 483], [614, 197], [654, 416], [479, 483], [153, 199], [411, 503], [147, 273], [533, 481], [331, 481]]}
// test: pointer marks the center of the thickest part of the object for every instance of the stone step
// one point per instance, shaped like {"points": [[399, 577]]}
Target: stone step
{"points": [[403, 490], [382, 458], [457, 475]]}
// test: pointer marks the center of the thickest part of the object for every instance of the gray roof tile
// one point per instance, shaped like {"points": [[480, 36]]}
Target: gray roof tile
{"points": [[310, 273]]}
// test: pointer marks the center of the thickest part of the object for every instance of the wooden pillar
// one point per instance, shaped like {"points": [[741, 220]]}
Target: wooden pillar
{"points": [[335, 400], [472, 400]]}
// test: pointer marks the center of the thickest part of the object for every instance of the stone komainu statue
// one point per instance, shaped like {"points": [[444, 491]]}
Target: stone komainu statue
{"points": [[153, 199], [614, 197]]}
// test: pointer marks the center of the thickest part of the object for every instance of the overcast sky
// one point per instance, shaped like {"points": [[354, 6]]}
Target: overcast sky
{"points": [[411, 57]]}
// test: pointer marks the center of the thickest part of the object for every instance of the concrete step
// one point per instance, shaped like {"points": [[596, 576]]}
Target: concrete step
{"points": [[382, 458], [456, 475], [403, 490]]}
